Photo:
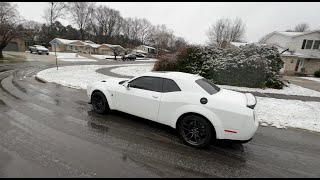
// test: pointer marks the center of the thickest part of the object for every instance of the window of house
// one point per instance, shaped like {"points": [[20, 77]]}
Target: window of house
{"points": [[309, 44], [316, 44], [303, 43]]}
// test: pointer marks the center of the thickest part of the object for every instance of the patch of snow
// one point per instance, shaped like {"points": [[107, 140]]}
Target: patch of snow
{"points": [[282, 113], [71, 57], [312, 79], [290, 90], [147, 59], [132, 70], [105, 56], [77, 77]]}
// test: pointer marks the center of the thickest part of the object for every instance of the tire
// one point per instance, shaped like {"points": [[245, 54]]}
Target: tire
{"points": [[99, 103], [30, 51], [47, 53], [194, 126]]}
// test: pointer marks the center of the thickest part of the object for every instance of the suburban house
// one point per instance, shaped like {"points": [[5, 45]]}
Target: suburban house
{"points": [[147, 50], [303, 50], [16, 44], [87, 47]]}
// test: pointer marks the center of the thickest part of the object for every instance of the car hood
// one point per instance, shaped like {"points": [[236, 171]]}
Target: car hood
{"points": [[231, 96], [42, 49]]}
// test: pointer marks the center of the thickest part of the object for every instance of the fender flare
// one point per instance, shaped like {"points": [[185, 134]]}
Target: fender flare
{"points": [[106, 94], [211, 116]]}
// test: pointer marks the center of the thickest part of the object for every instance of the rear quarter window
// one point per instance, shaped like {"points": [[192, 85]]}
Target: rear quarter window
{"points": [[208, 86], [170, 86]]}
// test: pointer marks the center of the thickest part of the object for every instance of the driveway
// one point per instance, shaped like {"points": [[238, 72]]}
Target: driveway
{"points": [[48, 130], [303, 82]]}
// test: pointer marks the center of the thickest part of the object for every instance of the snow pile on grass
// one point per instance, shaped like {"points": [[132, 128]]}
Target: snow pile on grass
{"points": [[132, 70], [71, 57], [289, 113], [312, 79], [75, 76]]}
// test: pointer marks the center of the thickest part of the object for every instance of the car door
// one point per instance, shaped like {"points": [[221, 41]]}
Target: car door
{"points": [[170, 101], [142, 98]]}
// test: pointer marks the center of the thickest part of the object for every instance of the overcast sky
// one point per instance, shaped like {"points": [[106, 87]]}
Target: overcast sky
{"points": [[191, 20]]}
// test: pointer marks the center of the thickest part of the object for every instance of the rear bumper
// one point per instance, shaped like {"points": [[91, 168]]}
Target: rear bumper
{"points": [[246, 132]]}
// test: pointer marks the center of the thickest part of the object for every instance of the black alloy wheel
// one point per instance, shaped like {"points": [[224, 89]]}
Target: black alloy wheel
{"points": [[99, 102], [195, 131]]}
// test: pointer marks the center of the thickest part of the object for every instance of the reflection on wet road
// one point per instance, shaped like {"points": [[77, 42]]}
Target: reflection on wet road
{"points": [[49, 130]]}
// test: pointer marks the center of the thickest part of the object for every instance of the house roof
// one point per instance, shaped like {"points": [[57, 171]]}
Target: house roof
{"points": [[296, 34], [148, 47], [140, 51], [93, 45], [290, 34], [111, 45], [64, 41]]}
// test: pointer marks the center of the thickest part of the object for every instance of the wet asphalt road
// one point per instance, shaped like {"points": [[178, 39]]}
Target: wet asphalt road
{"points": [[47, 130]]}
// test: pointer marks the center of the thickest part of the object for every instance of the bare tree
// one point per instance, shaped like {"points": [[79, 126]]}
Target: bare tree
{"points": [[53, 12], [145, 31], [224, 31], [302, 27], [238, 30], [9, 24], [31, 31], [116, 49], [80, 14]]}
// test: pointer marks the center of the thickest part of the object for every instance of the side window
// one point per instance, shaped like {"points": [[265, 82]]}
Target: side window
{"points": [[147, 83], [170, 86]]}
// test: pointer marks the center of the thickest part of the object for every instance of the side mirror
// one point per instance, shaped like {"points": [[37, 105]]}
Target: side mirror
{"points": [[127, 85]]}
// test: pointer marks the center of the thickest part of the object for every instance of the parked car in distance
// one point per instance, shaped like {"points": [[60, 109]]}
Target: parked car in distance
{"points": [[198, 109], [140, 55], [130, 57], [38, 49]]}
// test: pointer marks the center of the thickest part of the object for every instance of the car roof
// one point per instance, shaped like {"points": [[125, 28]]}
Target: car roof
{"points": [[174, 75]]}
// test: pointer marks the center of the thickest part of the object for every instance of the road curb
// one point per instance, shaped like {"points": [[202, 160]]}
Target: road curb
{"points": [[40, 79]]}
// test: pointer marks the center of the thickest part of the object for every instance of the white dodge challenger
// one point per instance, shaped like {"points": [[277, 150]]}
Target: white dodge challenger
{"points": [[196, 107]]}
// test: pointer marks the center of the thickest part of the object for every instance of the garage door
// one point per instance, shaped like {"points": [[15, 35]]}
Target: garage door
{"points": [[12, 46]]}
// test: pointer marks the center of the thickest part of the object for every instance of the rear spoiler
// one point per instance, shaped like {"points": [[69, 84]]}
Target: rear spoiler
{"points": [[251, 100]]}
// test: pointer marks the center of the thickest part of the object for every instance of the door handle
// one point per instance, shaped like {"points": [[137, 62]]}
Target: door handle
{"points": [[155, 96]]}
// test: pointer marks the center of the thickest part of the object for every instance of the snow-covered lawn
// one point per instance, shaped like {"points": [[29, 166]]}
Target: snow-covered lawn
{"points": [[288, 113], [147, 59], [132, 70], [275, 112], [312, 79], [105, 56], [76, 76], [71, 57]]}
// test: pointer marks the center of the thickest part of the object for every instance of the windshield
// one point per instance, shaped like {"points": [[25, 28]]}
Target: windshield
{"points": [[208, 86]]}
